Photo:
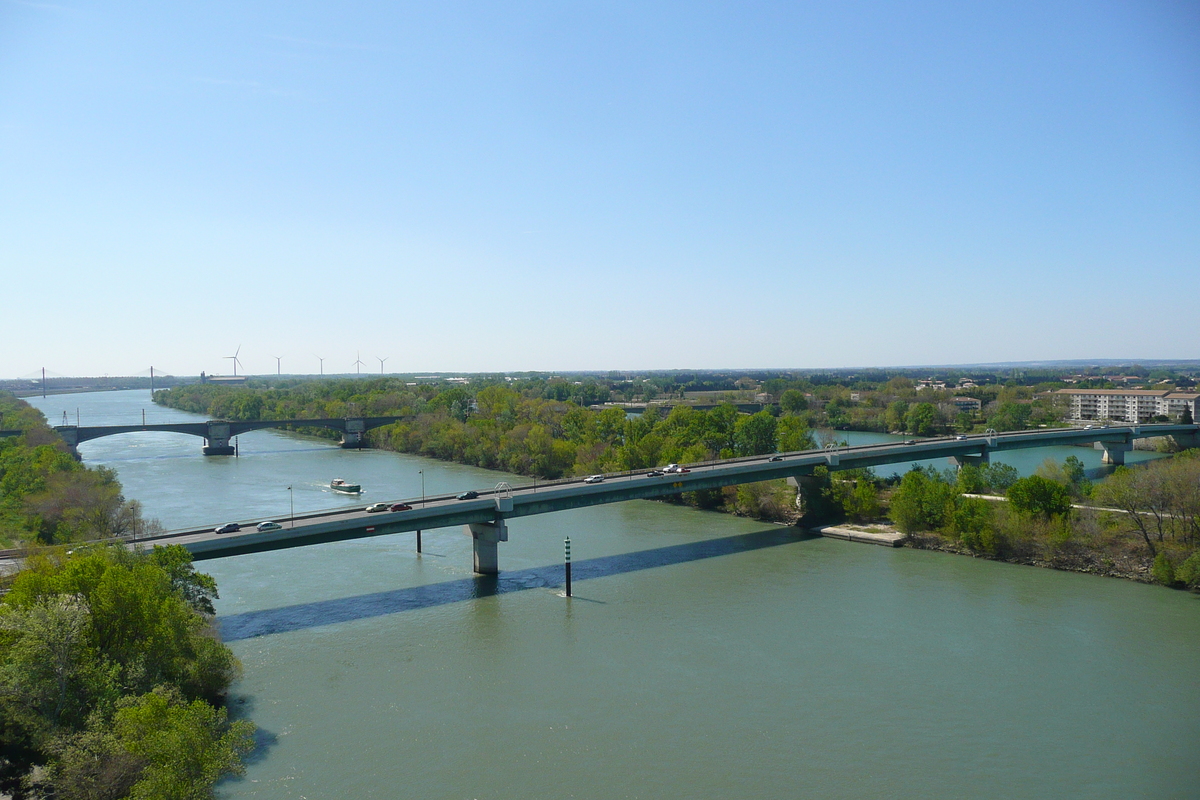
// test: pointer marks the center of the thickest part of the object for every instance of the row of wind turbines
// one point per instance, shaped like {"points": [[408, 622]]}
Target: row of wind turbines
{"points": [[358, 363]]}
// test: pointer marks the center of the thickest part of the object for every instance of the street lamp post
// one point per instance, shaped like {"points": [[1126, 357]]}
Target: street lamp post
{"points": [[292, 507], [421, 472]]}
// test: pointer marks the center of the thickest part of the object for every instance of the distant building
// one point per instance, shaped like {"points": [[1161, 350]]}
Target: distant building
{"points": [[224, 380], [1129, 405], [970, 405]]}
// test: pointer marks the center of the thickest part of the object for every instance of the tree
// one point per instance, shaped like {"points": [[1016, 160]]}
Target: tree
{"points": [[896, 415], [999, 476], [793, 401], [1186, 417], [756, 434], [922, 419], [186, 746], [1040, 497], [107, 631], [923, 502], [792, 434]]}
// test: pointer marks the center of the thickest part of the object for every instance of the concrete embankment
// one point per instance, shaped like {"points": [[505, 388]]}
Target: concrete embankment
{"points": [[887, 538]]}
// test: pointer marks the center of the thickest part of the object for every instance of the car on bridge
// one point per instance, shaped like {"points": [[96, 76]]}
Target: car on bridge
{"points": [[675, 469], [775, 458], [655, 473], [594, 479], [468, 495], [400, 507], [228, 527], [268, 526], [371, 509]]}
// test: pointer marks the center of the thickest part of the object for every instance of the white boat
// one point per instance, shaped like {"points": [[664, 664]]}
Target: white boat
{"points": [[339, 485]]}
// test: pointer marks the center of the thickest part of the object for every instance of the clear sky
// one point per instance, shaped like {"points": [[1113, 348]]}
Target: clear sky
{"points": [[582, 185]]}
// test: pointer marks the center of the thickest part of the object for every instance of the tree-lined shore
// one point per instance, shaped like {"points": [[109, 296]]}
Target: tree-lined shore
{"points": [[112, 677]]}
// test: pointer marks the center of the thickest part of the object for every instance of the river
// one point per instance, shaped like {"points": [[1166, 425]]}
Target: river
{"points": [[702, 655]]}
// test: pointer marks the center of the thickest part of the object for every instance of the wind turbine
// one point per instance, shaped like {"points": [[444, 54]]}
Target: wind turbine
{"points": [[381, 360], [278, 361], [358, 362], [322, 364], [236, 361]]}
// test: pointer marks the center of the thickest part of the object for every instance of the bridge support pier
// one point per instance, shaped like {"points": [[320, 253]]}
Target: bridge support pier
{"points": [[352, 435], [70, 435], [1114, 452], [485, 536], [1185, 441], [974, 459], [808, 489], [216, 441]]}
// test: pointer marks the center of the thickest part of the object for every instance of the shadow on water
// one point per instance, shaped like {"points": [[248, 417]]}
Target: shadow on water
{"points": [[241, 707], [250, 624]]}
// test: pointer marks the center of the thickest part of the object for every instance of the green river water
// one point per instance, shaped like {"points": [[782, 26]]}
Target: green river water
{"points": [[702, 656]]}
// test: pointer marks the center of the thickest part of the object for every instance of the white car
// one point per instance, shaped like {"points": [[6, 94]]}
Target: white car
{"points": [[374, 507], [268, 526], [672, 469], [594, 479]]}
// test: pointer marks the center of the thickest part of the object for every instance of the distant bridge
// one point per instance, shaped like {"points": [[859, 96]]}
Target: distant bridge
{"points": [[217, 433], [486, 516]]}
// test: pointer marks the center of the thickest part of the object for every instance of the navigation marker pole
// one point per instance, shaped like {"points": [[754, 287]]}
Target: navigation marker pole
{"points": [[418, 541], [567, 556]]}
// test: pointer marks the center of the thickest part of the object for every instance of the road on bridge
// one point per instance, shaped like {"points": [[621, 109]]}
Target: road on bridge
{"points": [[495, 506]]}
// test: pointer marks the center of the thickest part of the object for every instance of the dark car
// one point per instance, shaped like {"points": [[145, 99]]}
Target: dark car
{"points": [[401, 507], [655, 473], [910, 441], [470, 495], [228, 527], [775, 458]]}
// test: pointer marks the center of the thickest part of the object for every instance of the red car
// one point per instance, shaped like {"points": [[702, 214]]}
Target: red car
{"points": [[400, 507]]}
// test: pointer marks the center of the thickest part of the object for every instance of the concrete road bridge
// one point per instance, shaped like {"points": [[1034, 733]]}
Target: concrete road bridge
{"points": [[487, 515], [217, 433]]}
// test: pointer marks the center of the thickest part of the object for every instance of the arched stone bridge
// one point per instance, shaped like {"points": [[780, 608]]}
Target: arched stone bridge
{"points": [[217, 433]]}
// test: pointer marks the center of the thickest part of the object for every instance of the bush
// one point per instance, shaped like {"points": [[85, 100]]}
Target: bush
{"points": [[1039, 497], [1188, 572], [1163, 571], [924, 502]]}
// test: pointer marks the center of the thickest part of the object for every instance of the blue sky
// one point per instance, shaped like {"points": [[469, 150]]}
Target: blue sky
{"points": [[557, 186]]}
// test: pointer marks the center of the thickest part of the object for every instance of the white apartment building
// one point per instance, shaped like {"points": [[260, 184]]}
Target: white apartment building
{"points": [[1130, 405]]}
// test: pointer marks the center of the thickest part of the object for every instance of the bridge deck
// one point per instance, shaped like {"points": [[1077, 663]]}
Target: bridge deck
{"points": [[526, 500]]}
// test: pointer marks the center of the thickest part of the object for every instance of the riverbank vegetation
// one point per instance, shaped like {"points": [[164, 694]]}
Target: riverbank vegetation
{"points": [[48, 497], [533, 427], [514, 426], [112, 679], [1141, 522]]}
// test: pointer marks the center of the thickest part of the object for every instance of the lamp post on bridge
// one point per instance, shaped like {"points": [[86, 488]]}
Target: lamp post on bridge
{"points": [[421, 472], [292, 507]]}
